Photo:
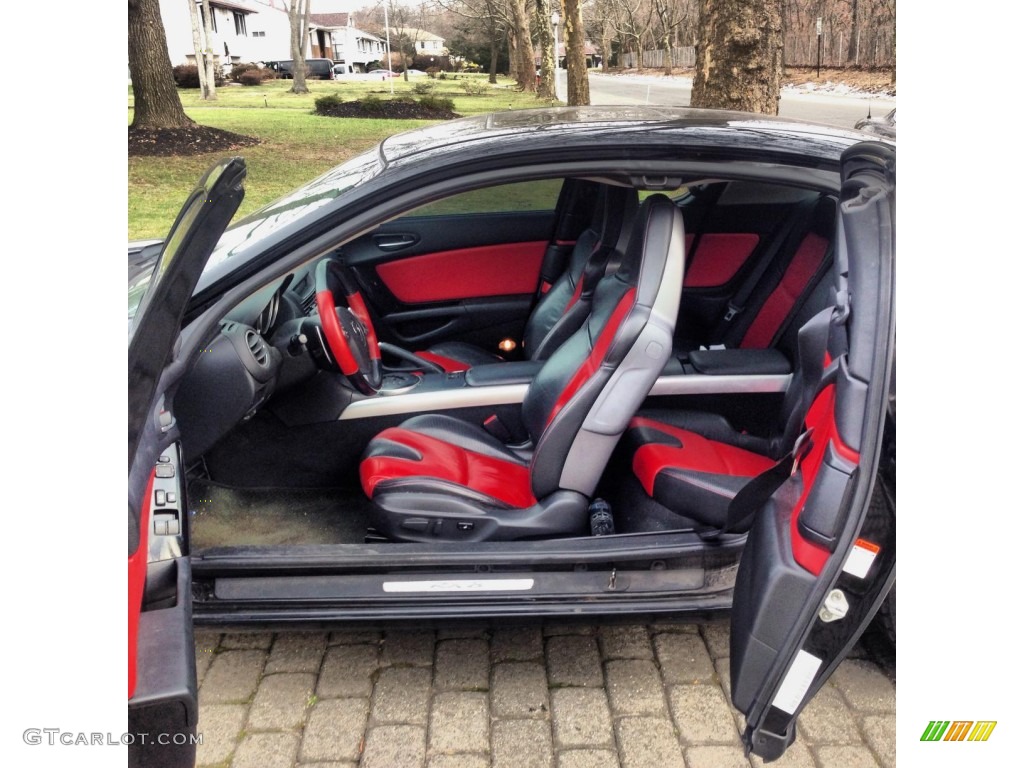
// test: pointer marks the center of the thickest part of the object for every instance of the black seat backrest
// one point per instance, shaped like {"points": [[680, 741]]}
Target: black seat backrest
{"points": [[565, 306], [582, 398]]}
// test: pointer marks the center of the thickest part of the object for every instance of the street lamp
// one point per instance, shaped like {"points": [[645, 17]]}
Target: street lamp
{"points": [[555, 18]]}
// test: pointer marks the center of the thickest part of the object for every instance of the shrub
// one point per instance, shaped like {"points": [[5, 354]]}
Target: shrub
{"points": [[249, 77], [187, 76], [474, 87], [240, 69], [422, 89], [440, 103], [324, 103]]}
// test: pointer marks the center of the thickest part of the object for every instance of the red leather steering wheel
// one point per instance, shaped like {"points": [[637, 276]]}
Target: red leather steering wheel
{"points": [[351, 340]]}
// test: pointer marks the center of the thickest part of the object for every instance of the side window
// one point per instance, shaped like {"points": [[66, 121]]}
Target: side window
{"points": [[506, 198]]}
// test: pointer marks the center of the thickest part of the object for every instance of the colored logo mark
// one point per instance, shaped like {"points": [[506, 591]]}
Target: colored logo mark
{"points": [[958, 730]]}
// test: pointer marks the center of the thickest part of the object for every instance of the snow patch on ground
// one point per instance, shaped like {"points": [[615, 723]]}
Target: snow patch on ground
{"points": [[834, 89]]}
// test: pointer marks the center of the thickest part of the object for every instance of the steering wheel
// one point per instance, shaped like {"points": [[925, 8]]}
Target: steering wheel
{"points": [[348, 329]]}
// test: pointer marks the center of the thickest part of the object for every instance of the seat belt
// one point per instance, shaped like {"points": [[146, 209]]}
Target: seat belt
{"points": [[737, 304], [814, 377], [574, 205]]}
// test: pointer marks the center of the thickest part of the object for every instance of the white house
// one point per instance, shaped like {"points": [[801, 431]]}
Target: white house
{"points": [[336, 35], [426, 43], [243, 31]]}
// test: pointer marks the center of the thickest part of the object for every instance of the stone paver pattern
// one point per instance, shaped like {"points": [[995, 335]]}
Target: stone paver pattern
{"points": [[559, 696]]}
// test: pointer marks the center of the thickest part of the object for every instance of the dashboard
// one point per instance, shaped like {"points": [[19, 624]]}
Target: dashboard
{"points": [[254, 354]]}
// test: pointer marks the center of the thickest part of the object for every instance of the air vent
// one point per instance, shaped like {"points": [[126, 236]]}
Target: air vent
{"points": [[309, 303], [257, 347]]}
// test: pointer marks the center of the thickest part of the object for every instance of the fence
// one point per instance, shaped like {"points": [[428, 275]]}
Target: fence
{"points": [[681, 57]]}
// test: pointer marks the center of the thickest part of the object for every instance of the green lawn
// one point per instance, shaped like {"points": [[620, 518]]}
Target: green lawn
{"points": [[296, 145]]}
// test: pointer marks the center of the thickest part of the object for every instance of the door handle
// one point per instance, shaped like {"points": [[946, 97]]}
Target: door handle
{"points": [[394, 242]]}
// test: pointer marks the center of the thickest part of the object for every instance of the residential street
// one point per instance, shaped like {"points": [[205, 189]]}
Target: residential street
{"points": [[841, 111]]}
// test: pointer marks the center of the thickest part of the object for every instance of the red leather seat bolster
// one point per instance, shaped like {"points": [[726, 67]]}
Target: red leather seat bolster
{"points": [[696, 453], [506, 481]]}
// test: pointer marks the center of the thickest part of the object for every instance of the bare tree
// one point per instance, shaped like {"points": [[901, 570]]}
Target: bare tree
{"points": [[548, 54], [632, 22], [490, 18], [576, 55], [298, 18], [739, 55], [525, 71], [209, 61], [202, 48], [157, 104], [670, 16]]}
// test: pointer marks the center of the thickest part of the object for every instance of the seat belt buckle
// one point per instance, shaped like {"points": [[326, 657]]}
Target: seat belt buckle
{"points": [[732, 311], [800, 450], [497, 429]]}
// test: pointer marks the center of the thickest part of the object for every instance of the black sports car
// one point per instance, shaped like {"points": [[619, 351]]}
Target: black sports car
{"points": [[539, 364]]}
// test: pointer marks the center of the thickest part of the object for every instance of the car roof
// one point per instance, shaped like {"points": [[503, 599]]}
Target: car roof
{"points": [[593, 124]]}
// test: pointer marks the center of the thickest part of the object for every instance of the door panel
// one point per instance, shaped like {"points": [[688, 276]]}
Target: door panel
{"points": [[820, 556], [465, 268], [489, 270], [161, 661]]}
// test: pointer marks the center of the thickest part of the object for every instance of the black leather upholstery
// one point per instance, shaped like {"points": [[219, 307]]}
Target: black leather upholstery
{"points": [[575, 410], [566, 305]]}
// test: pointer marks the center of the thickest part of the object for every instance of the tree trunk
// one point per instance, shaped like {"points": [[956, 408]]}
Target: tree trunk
{"points": [[668, 55], [513, 56], [739, 56], [298, 18], [851, 51], [546, 87], [157, 104], [526, 70], [198, 46], [576, 55], [211, 74], [606, 46], [492, 73]]}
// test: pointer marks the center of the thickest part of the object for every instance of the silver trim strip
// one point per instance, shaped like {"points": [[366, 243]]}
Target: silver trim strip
{"points": [[461, 397], [510, 394], [697, 384], [460, 585]]}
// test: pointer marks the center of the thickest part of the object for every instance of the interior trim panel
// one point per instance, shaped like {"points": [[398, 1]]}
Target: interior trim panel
{"points": [[510, 394]]}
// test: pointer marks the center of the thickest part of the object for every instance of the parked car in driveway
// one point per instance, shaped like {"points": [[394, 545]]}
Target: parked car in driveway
{"points": [[316, 69], [544, 364]]}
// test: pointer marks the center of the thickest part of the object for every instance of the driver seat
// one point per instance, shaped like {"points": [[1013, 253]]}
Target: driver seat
{"points": [[438, 478]]}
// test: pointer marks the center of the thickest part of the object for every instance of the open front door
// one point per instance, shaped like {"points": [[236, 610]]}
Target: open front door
{"points": [[162, 698], [821, 554]]}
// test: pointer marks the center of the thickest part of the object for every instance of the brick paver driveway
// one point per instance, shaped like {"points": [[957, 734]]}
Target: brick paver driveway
{"points": [[568, 696]]}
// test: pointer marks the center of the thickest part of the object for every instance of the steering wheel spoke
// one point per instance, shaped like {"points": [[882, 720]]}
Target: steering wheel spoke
{"points": [[348, 329]]}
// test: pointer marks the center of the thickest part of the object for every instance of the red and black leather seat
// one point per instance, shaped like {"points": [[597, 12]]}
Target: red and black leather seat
{"points": [[692, 464], [435, 477], [566, 304]]}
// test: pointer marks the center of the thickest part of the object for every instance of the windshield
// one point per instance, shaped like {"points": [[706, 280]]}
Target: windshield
{"points": [[137, 287], [251, 232]]}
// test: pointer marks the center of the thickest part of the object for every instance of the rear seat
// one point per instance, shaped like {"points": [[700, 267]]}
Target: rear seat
{"points": [[779, 282]]}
